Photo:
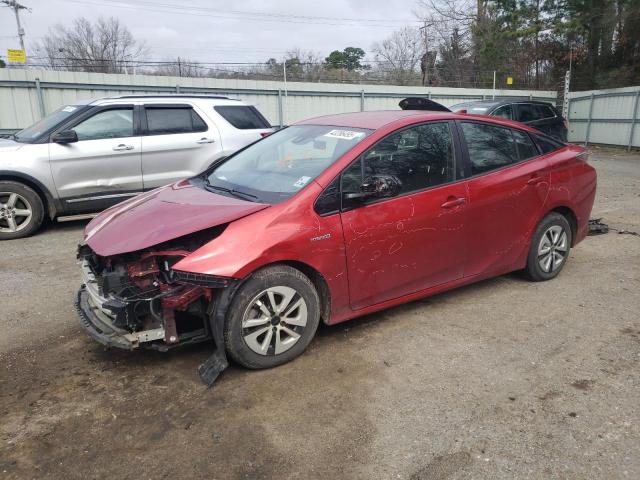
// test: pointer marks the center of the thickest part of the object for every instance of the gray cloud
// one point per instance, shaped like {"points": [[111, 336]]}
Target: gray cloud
{"points": [[205, 36]]}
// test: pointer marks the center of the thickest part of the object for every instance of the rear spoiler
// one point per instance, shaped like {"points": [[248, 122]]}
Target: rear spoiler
{"points": [[419, 103]]}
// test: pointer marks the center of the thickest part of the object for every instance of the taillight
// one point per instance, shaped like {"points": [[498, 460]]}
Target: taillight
{"points": [[265, 134]]}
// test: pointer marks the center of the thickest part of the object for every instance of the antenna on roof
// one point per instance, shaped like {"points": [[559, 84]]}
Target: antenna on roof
{"points": [[419, 103]]}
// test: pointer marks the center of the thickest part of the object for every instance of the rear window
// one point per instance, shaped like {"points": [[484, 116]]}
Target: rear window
{"points": [[243, 117], [168, 120]]}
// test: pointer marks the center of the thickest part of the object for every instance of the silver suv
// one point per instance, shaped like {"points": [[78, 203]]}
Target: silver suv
{"points": [[88, 156]]}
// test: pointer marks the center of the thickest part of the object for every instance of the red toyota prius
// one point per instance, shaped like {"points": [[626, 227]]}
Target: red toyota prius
{"points": [[326, 220]]}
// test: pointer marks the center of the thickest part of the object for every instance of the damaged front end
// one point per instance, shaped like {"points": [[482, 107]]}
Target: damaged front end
{"points": [[138, 300]]}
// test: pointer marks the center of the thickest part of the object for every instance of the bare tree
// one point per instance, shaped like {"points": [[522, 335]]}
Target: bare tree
{"points": [[182, 67], [400, 54], [105, 46]]}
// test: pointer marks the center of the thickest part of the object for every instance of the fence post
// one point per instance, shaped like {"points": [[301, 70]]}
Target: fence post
{"points": [[634, 116], [40, 98], [362, 100], [177, 88], [586, 138], [280, 117]]}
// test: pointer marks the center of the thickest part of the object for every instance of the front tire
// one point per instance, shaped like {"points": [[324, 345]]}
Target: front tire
{"points": [[21, 210], [272, 318], [549, 250]]}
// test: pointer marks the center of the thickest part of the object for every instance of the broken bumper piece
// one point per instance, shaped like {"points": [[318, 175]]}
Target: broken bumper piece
{"points": [[97, 323]]}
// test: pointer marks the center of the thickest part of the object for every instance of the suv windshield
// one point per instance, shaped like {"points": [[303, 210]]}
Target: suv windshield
{"points": [[31, 134], [280, 165]]}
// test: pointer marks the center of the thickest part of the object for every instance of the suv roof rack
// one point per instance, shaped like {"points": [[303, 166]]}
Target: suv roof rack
{"points": [[174, 95], [420, 103]]}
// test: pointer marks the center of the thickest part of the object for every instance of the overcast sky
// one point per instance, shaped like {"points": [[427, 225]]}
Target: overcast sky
{"points": [[224, 31]]}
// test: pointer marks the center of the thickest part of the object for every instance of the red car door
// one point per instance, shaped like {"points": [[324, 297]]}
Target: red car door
{"points": [[412, 241], [507, 190]]}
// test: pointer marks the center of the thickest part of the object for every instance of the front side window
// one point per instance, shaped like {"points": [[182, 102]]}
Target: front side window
{"points": [[419, 157], [113, 123], [503, 112], [31, 134], [277, 167], [490, 147], [166, 121]]}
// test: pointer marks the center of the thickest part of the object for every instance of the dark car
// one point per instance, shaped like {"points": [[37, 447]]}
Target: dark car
{"points": [[541, 115]]}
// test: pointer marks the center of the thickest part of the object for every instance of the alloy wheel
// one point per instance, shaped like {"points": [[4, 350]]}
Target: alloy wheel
{"points": [[552, 249], [274, 320], [15, 212]]}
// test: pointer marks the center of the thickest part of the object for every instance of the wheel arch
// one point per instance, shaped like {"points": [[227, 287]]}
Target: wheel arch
{"points": [[318, 280], [43, 192], [570, 215]]}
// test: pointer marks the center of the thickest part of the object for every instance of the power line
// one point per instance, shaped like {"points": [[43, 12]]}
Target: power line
{"points": [[248, 16]]}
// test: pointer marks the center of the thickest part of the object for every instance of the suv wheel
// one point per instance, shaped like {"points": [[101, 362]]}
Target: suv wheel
{"points": [[272, 318], [21, 210], [549, 249]]}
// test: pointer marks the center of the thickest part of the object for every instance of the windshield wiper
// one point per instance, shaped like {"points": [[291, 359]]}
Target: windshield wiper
{"points": [[245, 194], [230, 191]]}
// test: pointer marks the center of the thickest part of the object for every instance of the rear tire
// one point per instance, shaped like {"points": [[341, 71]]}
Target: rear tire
{"points": [[21, 210], [550, 247], [272, 318]]}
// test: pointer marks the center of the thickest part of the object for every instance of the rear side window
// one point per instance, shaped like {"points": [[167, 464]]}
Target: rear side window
{"points": [[167, 120], [525, 147], [503, 112], [547, 145], [544, 111], [243, 117], [489, 147], [526, 112]]}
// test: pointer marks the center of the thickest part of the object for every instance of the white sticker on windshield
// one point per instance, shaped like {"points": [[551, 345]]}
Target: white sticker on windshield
{"points": [[344, 134], [69, 109], [301, 182]]}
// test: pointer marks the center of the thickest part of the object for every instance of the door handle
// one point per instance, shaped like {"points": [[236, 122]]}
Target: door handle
{"points": [[536, 179], [206, 140], [122, 147], [453, 202]]}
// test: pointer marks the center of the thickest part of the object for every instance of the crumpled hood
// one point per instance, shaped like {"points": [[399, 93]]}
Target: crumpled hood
{"points": [[7, 145], [161, 215]]}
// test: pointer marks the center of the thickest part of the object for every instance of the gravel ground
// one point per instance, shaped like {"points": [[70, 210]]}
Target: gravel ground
{"points": [[502, 379]]}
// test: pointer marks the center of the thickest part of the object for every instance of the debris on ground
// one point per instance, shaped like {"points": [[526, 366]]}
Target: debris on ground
{"points": [[596, 227]]}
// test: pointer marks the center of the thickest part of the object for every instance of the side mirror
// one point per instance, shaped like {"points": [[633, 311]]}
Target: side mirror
{"points": [[377, 186], [64, 137]]}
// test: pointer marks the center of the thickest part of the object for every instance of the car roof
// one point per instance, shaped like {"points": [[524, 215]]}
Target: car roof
{"points": [[372, 120], [375, 120]]}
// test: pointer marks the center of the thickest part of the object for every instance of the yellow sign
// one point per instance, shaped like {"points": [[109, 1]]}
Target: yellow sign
{"points": [[16, 56], [509, 80]]}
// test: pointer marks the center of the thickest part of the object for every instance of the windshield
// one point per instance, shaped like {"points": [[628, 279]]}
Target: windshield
{"points": [[277, 167], [30, 134]]}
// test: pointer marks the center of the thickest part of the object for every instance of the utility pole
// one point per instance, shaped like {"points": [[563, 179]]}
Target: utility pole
{"points": [[286, 93], [425, 59], [16, 8]]}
